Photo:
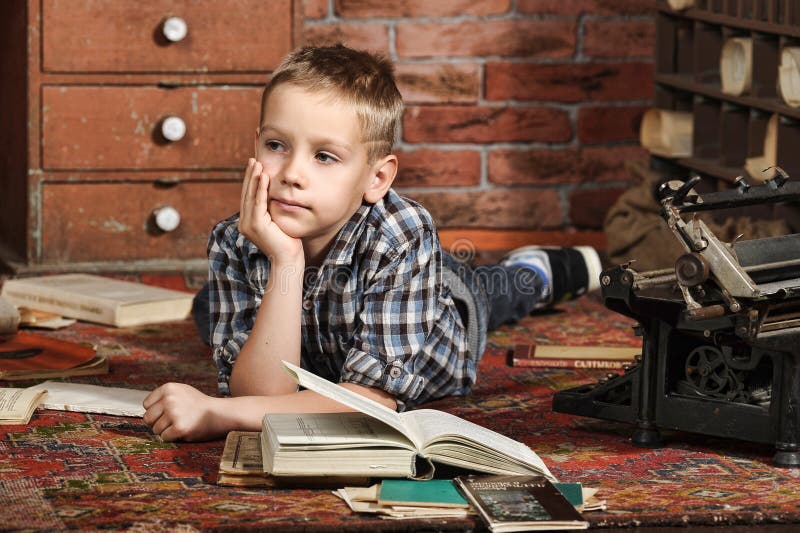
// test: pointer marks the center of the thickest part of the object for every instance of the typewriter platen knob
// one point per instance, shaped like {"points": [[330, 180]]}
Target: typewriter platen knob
{"points": [[691, 269]]}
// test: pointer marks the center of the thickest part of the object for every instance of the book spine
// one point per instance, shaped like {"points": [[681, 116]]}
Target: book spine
{"points": [[55, 301], [570, 363]]}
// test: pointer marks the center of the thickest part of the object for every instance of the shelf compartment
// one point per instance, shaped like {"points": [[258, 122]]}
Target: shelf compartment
{"points": [[734, 135], [707, 49]]}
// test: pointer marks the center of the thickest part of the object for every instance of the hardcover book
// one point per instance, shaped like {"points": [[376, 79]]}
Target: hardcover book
{"points": [[519, 503], [377, 441], [551, 356], [30, 356], [241, 466], [99, 299], [428, 493]]}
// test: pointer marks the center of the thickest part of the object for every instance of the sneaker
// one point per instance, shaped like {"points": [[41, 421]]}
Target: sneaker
{"points": [[568, 272]]}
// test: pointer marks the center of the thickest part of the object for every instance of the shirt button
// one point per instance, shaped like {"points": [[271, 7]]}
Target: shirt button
{"points": [[308, 305], [395, 372]]}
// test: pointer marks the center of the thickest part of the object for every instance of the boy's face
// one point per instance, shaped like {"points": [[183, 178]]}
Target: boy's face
{"points": [[310, 146]]}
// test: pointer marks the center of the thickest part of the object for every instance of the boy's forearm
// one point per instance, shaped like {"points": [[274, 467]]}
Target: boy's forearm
{"points": [[245, 413], [275, 336]]}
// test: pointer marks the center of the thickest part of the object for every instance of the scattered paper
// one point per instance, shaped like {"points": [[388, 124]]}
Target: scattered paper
{"points": [[84, 398], [365, 500]]}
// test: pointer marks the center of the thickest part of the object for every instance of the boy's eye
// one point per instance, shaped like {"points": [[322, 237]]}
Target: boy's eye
{"points": [[275, 146], [324, 157]]}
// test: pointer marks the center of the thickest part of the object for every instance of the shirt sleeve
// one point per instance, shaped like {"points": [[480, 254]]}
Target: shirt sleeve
{"points": [[234, 297], [398, 317]]}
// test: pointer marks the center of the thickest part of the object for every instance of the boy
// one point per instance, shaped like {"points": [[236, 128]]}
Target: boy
{"points": [[326, 266]]}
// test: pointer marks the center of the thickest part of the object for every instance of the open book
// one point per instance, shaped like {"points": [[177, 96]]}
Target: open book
{"points": [[17, 405], [377, 441]]}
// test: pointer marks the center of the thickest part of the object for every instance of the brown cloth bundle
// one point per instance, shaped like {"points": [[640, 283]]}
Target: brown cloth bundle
{"points": [[635, 229]]}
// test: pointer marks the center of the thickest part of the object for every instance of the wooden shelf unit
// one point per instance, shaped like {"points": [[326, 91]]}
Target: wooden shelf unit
{"points": [[727, 128]]}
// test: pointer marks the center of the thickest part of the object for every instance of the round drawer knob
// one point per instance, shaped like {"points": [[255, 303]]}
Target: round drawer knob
{"points": [[167, 218], [173, 128], [175, 29]]}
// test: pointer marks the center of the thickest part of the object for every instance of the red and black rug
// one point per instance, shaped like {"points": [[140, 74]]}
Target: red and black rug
{"points": [[82, 471]]}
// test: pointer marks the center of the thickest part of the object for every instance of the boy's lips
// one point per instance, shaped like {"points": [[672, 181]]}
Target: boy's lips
{"points": [[287, 204]]}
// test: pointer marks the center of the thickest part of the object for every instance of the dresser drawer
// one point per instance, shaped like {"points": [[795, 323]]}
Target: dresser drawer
{"points": [[121, 127], [114, 221], [129, 36]]}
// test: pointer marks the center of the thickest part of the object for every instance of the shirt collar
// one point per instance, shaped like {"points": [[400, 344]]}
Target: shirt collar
{"points": [[342, 249]]}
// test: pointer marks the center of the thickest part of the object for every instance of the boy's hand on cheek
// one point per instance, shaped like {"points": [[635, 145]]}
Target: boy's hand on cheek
{"points": [[256, 223]]}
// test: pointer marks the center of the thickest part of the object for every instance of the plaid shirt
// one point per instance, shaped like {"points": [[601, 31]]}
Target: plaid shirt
{"points": [[375, 313]]}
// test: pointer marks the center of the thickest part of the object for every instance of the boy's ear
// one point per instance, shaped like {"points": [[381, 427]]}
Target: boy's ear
{"points": [[255, 143], [382, 176]]}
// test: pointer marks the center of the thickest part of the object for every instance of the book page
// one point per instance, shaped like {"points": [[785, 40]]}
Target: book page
{"points": [[18, 404], [332, 431], [350, 399], [435, 427], [93, 398]]}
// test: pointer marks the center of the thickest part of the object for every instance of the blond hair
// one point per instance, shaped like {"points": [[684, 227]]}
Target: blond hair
{"points": [[361, 79]]}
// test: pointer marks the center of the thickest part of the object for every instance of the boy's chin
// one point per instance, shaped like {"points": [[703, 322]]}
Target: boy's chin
{"points": [[289, 228]]}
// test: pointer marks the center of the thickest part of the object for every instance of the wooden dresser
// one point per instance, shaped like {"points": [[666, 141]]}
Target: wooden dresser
{"points": [[126, 125]]}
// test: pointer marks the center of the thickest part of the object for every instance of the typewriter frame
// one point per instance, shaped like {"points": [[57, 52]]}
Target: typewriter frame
{"points": [[720, 333]]}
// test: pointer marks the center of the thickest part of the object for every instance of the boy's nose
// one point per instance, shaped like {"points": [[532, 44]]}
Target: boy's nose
{"points": [[291, 174]]}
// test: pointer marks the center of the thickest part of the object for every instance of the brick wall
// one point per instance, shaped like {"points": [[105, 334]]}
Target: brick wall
{"points": [[520, 113]]}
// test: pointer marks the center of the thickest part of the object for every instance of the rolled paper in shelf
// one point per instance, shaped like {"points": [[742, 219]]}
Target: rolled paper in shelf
{"points": [[755, 165], [667, 133], [680, 4], [735, 65], [789, 75]]}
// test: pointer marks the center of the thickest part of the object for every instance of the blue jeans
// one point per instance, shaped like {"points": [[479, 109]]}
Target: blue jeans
{"points": [[486, 296]]}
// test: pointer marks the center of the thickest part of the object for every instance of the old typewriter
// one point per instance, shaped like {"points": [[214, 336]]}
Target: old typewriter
{"points": [[720, 332]]}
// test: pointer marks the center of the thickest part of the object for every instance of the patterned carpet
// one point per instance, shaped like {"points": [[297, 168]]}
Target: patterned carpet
{"points": [[76, 471]]}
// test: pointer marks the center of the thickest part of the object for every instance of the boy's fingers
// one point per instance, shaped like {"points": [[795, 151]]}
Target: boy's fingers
{"points": [[152, 414], [161, 425], [262, 193], [248, 175], [169, 435], [252, 186], [152, 398]]}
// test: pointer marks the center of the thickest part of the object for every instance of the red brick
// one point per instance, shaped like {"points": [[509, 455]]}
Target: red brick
{"points": [[372, 37], [587, 7], [505, 38], [420, 8], [315, 9], [438, 83], [569, 82], [503, 208], [619, 38], [485, 124], [570, 165], [588, 207], [438, 168], [532, 167], [608, 163], [602, 124]]}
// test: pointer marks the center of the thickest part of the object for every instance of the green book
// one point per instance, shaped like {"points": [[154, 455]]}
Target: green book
{"points": [[573, 492], [432, 493]]}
